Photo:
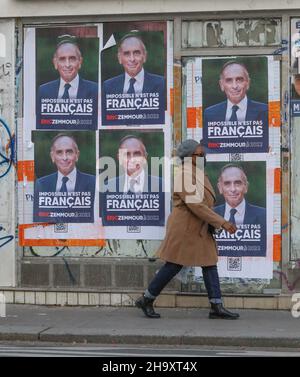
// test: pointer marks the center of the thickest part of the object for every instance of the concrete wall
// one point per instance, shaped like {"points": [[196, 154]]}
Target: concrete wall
{"points": [[33, 8], [111, 273], [295, 187], [7, 141], [87, 273]]}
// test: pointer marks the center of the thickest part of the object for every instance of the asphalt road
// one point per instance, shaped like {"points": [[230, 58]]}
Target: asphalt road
{"points": [[58, 350]]}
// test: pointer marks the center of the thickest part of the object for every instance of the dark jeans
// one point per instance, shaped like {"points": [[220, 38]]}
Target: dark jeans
{"points": [[169, 270]]}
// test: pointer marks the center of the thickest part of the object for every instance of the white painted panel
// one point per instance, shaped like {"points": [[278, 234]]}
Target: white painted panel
{"points": [[48, 8], [7, 170]]}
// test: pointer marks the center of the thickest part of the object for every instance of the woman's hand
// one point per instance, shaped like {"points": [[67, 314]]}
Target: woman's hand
{"points": [[231, 228]]}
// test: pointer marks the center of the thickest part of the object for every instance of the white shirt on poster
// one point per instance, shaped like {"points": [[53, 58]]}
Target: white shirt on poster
{"points": [[138, 85], [70, 183], [241, 112], [139, 182], [72, 90], [239, 215]]}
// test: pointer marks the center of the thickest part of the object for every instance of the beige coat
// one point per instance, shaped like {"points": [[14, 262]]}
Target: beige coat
{"points": [[187, 241]]}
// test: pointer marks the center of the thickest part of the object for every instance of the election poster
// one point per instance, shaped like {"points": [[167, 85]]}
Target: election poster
{"points": [[66, 79], [133, 73], [247, 194], [131, 178], [295, 67], [65, 182], [235, 104], [134, 183], [241, 199]]}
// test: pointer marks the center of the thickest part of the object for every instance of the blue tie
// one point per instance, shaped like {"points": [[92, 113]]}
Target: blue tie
{"points": [[131, 87], [233, 117], [66, 92], [64, 184], [233, 211]]}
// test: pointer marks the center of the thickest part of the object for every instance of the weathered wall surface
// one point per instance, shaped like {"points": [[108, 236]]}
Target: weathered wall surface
{"points": [[113, 248], [19, 8], [295, 187], [7, 142], [135, 270]]}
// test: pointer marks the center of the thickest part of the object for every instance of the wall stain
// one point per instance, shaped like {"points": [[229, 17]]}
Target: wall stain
{"points": [[111, 249], [290, 285]]}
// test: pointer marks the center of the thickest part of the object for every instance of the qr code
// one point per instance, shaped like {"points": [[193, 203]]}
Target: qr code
{"points": [[60, 228], [236, 157], [234, 264], [133, 229]]}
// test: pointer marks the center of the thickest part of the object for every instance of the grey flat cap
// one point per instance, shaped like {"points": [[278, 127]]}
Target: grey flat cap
{"points": [[186, 148]]}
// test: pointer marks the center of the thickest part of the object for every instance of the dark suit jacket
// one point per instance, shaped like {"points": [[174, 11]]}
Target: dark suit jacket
{"points": [[86, 89], [253, 214], [155, 184], [152, 83], [255, 111], [84, 182]]}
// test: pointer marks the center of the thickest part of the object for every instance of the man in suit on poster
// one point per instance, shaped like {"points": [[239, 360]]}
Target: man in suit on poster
{"points": [[132, 55], [233, 185], [296, 87], [235, 82], [64, 154], [132, 157], [67, 60]]}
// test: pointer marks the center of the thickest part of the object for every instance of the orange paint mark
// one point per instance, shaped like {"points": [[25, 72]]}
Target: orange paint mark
{"points": [[54, 242], [274, 114], [199, 116], [25, 169], [194, 117], [277, 247], [191, 116], [172, 102], [177, 118], [277, 181], [70, 242]]}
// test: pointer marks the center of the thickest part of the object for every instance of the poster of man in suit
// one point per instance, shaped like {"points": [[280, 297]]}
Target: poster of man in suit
{"points": [[133, 75], [295, 67], [66, 79], [64, 188], [241, 199], [133, 193], [235, 104]]}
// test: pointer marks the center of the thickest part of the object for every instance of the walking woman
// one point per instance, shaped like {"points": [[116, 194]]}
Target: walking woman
{"points": [[189, 240]]}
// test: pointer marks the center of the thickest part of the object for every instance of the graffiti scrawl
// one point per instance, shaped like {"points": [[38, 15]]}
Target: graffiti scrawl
{"points": [[6, 149]]}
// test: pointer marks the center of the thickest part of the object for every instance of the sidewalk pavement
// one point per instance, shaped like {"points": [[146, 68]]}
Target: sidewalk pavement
{"points": [[128, 325]]}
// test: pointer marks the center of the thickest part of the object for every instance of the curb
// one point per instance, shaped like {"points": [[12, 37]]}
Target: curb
{"points": [[153, 339]]}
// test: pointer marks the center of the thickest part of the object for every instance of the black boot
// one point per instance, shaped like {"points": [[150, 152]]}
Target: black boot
{"points": [[219, 312], [146, 304]]}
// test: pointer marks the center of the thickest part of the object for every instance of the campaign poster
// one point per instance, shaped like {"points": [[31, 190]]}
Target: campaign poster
{"points": [[241, 198], [64, 186], [133, 73], [235, 95], [67, 75], [295, 67], [131, 178]]}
